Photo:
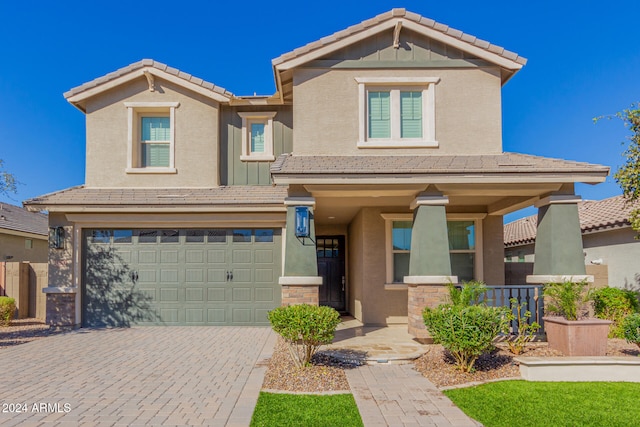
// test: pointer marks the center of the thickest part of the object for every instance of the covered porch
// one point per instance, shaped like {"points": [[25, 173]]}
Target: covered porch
{"points": [[387, 242]]}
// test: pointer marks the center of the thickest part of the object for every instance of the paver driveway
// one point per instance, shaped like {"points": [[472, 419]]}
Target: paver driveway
{"points": [[136, 376]]}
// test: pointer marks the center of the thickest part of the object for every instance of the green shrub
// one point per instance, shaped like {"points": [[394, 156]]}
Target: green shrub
{"points": [[525, 332], [614, 304], [631, 328], [468, 294], [7, 310], [565, 298], [305, 328]]}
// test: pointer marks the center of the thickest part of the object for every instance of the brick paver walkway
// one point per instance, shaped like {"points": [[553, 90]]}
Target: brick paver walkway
{"points": [[397, 395], [137, 376]]}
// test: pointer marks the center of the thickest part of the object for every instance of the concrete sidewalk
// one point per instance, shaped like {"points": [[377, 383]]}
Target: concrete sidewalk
{"points": [[397, 395]]}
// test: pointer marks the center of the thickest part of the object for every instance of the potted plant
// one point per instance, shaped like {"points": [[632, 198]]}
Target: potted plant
{"points": [[568, 326]]}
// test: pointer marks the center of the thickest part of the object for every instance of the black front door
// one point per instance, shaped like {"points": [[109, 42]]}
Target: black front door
{"points": [[330, 250]]}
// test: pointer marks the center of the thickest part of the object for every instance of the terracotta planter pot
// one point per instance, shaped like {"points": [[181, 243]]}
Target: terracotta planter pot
{"points": [[577, 337]]}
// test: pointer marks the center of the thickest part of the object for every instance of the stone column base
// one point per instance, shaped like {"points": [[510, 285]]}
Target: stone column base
{"points": [[419, 297], [61, 310], [300, 290]]}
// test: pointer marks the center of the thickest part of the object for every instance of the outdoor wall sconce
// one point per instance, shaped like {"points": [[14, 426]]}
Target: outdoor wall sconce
{"points": [[302, 221], [56, 237]]}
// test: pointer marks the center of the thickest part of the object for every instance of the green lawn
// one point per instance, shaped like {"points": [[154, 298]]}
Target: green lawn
{"points": [[523, 403], [306, 410]]}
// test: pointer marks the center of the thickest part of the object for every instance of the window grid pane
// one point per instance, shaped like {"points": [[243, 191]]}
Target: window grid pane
{"points": [[257, 137], [155, 129], [379, 114], [411, 114], [155, 155]]}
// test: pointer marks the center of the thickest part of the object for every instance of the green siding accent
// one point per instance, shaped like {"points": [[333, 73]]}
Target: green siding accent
{"points": [[429, 242], [558, 248], [233, 171], [300, 253]]}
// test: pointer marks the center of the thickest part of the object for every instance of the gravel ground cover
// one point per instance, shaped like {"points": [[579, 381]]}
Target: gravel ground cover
{"points": [[24, 330]]}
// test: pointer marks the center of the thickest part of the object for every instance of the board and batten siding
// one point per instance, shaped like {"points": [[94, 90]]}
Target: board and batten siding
{"points": [[234, 171]]}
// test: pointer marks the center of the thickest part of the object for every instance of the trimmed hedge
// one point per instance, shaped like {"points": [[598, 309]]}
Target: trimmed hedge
{"points": [[614, 304], [7, 310]]}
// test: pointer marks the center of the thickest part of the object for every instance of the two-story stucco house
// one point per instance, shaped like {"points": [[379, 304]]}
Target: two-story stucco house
{"points": [[374, 176]]}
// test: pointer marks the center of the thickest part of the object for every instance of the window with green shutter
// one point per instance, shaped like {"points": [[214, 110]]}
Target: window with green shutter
{"points": [[155, 140], [379, 114], [411, 114]]}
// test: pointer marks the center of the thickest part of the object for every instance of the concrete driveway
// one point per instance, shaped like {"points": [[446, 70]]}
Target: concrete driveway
{"points": [[136, 376]]}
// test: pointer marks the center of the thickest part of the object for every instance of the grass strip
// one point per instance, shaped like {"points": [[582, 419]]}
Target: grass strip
{"points": [[550, 404], [284, 410]]}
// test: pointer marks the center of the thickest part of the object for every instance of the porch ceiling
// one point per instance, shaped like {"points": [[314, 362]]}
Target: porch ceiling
{"points": [[338, 204]]}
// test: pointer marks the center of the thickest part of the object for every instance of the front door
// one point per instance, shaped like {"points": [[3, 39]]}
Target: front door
{"points": [[330, 251]]}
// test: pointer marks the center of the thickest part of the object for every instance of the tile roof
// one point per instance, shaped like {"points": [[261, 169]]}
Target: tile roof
{"points": [[18, 219], [451, 164], [147, 63], [400, 13], [150, 197], [594, 215]]}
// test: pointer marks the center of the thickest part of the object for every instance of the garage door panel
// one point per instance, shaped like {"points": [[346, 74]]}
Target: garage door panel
{"points": [[194, 294], [181, 277]]}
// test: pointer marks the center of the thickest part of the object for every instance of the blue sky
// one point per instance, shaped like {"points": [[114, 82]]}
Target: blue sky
{"points": [[583, 62]]}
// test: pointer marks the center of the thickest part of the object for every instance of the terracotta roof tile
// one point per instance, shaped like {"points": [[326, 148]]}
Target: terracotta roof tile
{"points": [[399, 13], [594, 215], [141, 64], [18, 219], [149, 197]]}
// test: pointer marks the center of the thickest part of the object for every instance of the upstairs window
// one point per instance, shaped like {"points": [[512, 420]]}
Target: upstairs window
{"points": [[397, 112], [257, 136], [151, 137]]}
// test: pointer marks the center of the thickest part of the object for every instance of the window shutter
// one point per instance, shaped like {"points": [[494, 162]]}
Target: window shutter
{"points": [[379, 115], [155, 155], [411, 114], [155, 129]]}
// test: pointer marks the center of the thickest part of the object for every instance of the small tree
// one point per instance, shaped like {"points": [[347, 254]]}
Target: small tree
{"points": [[628, 175], [525, 332], [631, 328], [7, 181], [305, 328]]}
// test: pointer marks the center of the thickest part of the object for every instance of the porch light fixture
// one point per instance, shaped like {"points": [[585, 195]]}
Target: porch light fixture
{"points": [[302, 221], [56, 237]]}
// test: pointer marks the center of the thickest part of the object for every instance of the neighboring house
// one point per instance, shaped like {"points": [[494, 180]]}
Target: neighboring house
{"points": [[373, 177], [23, 235], [607, 238]]}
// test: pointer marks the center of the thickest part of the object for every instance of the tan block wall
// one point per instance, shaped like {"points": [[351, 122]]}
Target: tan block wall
{"points": [[14, 247], [196, 137], [24, 282], [300, 294], [468, 111]]}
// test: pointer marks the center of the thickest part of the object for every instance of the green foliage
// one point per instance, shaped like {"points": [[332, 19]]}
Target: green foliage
{"points": [[7, 181], [565, 298], [293, 410], [465, 331], [631, 328], [305, 328], [534, 404], [468, 294], [525, 333], [7, 310], [614, 304], [628, 175]]}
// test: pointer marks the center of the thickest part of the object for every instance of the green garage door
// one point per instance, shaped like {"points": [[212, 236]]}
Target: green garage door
{"points": [[180, 276]]}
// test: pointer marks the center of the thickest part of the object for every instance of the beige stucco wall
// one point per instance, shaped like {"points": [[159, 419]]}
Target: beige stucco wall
{"points": [[14, 246], [61, 268], [493, 250], [620, 251], [467, 102], [196, 137]]}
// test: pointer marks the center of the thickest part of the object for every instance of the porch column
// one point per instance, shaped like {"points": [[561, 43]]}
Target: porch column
{"points": [[559, 253], [300, 281], [429, 262]]}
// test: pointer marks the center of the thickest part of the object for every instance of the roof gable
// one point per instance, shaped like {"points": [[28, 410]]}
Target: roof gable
{"points": [[150, 69], [389, 21]]}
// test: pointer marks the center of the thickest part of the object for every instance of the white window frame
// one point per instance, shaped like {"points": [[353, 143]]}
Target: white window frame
{"points": [[135, 112], [395, 85], [389, 218], [262, 117]]}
